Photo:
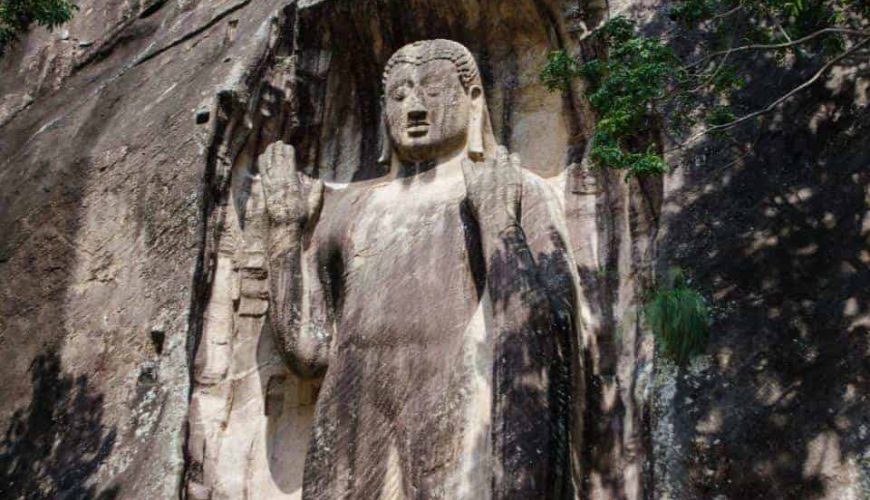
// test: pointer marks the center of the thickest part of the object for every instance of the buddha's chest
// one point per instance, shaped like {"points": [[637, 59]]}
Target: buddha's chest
{"points": [[408, 261], [408, 224]]}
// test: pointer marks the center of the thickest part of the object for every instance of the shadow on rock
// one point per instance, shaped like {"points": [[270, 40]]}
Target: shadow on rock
{"points": [[54, 446], [778, 239]]}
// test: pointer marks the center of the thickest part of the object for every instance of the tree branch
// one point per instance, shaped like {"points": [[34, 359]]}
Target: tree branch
{"points": [[726, 14], [713, 75], [774, 46], [821, 72]]}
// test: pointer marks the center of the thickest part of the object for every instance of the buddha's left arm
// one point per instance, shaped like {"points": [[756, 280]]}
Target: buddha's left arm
{"points": [[531, 280], [544, 226]]}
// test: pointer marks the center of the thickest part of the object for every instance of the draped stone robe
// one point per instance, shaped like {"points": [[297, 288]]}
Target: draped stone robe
{"points": [[448, 371]]}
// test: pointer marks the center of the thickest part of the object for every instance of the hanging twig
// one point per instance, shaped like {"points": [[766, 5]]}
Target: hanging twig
{"points": [[713, 75], [821, 72], [725, 14], [774, 46]]}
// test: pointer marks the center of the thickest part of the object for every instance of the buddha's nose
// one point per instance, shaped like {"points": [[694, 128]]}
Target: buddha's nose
{"points": [[417, 115], [416, 108]]}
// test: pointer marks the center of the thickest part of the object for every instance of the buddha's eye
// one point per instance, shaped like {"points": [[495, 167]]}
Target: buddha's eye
{"points": [[399, 93], [433, 90]]}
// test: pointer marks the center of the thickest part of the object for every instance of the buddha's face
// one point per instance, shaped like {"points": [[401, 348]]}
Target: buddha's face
{"points": [[427, 110]]}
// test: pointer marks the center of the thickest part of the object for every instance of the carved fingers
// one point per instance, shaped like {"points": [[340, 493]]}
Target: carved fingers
{"points": [[281, 184], [256, 219], [494, 190], [291, 197], [473, 179], [315, 198], [511, 175]]}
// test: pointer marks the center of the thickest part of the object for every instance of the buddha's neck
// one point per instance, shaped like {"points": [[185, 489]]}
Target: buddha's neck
{"points": [[445, 166]]}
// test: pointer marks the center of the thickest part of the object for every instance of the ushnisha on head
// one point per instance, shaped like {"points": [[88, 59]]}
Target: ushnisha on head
{"points": [[434, 105]]}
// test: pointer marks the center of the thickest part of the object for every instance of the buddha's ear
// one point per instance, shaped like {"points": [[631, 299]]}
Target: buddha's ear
{"points": [[476, 124], [386, 155]]}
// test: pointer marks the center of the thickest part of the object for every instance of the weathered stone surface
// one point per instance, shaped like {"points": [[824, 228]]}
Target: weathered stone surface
{"points": [[138, 359], [241, 74], [772, 226], [448, 370], [102, 220], [292, 106]]}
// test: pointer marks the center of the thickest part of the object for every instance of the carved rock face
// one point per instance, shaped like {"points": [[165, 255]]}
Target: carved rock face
{"points": [[427, 110]]}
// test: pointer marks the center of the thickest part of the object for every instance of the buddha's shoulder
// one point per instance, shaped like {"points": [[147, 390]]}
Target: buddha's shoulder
{"points": [[351, 193], [534, 185]]}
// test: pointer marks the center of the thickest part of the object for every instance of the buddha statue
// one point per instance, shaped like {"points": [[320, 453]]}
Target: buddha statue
{"points": [[438, 303]]}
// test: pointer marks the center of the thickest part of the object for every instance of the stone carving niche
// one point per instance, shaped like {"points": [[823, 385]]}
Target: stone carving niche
{"points": [[318, 88]]}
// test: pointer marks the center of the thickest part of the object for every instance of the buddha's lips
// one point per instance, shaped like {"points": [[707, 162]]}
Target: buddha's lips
{"points": [[418, 129]]}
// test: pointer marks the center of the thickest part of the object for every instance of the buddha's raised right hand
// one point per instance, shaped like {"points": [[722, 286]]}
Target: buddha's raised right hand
{"points": [[292, 198], [289, 203]]}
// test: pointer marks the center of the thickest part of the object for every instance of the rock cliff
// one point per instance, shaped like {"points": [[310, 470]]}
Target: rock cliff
{"points": [[138, 364]]}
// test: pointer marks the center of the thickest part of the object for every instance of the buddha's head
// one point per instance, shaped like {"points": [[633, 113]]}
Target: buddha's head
{"points": [[433, 103]]}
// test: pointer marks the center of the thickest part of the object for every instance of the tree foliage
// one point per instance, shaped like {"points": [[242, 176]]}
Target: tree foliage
{"points": [[17, 15], [680, 321], [638, 79], [624, 88]]}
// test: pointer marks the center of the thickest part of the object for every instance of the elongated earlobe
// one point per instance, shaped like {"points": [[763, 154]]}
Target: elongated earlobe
{"points": [[476, 124], [386, 155]]}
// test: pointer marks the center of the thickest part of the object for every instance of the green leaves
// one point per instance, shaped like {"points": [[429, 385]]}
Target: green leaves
{"points": [[17, 15], [690, 12], [638, 79], [624, 88], [559, 71], [617, 31], [607, 151], [648, 163], [680, 322], [720, 115]]}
